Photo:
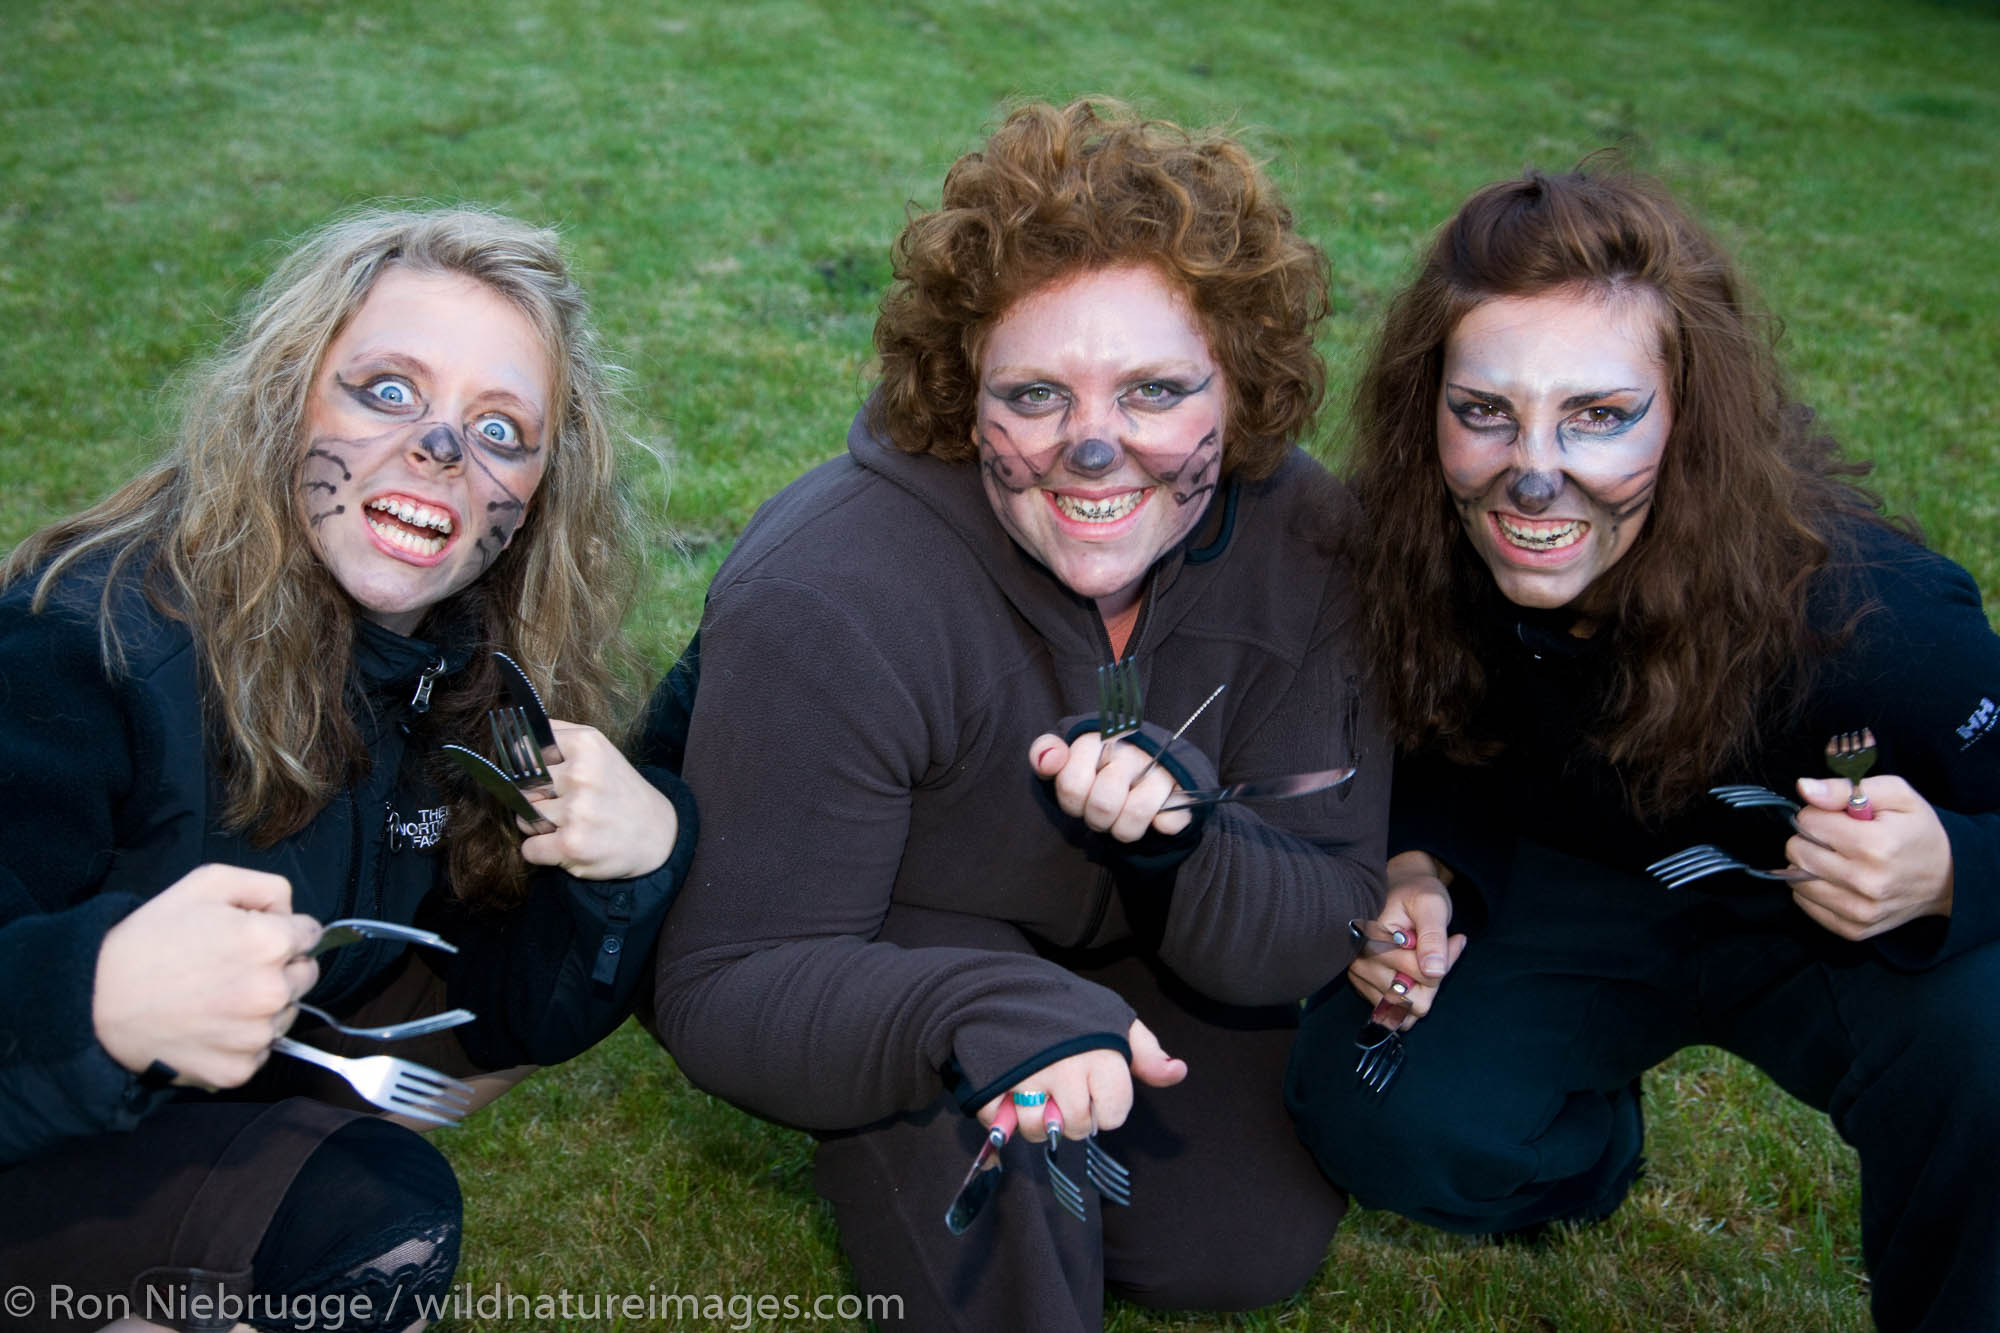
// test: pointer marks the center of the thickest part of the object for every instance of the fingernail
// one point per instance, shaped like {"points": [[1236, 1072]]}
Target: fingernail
{"points": [[1813, 786], [1432, 964]]}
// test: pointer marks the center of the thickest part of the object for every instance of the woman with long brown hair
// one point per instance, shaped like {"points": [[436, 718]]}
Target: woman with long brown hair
{"points": [[1614, 564], [224, 684]]}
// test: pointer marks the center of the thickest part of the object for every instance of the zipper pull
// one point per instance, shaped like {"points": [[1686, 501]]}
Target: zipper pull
{"points": [[420, 702]]}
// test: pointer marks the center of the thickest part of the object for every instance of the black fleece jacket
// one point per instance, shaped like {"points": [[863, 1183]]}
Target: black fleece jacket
{"points": [[108, 796]]}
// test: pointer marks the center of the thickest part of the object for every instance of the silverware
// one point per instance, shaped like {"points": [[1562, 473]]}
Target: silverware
{"points": [[402, 1086], [497, 785], [983, 1176], [1747, 797], [529, 701], [520, 756], [1380, 1042], [350, 929], [1101, 1169], [1684, 867], [1067, 1192], [1263, 789], [1120, 703], [1181, 730], [1851, 754], [415, 1027]]}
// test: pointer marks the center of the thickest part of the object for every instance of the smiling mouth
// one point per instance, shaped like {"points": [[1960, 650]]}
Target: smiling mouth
{"points": [[1530, 535], [1107, 510], [420, 529]]}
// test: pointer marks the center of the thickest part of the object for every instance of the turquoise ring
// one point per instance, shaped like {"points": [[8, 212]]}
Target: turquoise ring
{"points": [[1030, 1098]]}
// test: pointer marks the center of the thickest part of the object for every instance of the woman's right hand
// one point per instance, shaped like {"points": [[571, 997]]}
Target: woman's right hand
{"points": [[1418, 904], [202, 976], [1092, 1090]]}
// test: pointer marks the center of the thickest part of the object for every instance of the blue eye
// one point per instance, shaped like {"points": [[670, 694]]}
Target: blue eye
{"points": [[390, 390], [498, 430]]}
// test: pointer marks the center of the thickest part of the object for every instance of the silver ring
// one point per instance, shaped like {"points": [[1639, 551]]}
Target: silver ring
{"points": [[1030, 1098]]}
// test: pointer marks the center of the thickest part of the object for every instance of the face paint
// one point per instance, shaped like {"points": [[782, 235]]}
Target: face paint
{"points": [[426, 421], [1551, 426], [1099, 427]]}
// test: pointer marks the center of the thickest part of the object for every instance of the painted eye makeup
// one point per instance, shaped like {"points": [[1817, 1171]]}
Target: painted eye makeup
{"points": [[1479, 413], [499, 433], [384, 392], [1029, 399], [1164, 393]]}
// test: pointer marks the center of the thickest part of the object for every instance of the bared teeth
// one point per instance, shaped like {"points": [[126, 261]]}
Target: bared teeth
{"points": [[416, 515], [1549, 538], [1108, 510]]}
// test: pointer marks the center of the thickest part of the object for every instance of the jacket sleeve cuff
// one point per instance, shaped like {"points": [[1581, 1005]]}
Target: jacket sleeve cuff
{"points": [[971, 1098], [1153, 859], [612, 915], [50, 962]]}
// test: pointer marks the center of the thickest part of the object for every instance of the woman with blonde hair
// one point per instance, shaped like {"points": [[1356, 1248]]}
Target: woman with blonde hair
{"points": [[225, 683], [935, 896]]}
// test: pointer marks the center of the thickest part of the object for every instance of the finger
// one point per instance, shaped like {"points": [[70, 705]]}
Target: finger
{"points": [[1432, 918], [254, 890], [1046, 754], [1827, 916], [1078, 773], [1030, 1102], [1151, 1064]]}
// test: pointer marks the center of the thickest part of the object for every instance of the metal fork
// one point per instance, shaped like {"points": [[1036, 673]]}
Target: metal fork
{"points": [[415, 1027], [1067, 1192], [520, 753], [1851, 754], [1747, 797], [1120, 703], [1101, 1169], [352, 929], [1707, 859], [1381, 1045], [402, 1086]]}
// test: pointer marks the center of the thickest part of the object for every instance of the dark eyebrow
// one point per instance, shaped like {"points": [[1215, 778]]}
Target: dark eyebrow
{"points": [[1496, 399], [1576, 400]]}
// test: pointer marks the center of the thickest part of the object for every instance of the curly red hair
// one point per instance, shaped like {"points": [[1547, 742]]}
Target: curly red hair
{"points": [[1061, 190]]}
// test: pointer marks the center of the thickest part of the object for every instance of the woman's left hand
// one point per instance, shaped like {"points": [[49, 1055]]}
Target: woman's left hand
{"points": [[1874, 874], [610, 822], [1107, 799]]}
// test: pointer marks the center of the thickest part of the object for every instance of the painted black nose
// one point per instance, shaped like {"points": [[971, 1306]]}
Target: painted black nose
{"points": [[1532, 492], [1092, 457], [443, 445]]}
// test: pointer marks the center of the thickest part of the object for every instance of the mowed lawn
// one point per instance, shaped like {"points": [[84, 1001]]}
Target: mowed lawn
{"points": [[730, 178]]}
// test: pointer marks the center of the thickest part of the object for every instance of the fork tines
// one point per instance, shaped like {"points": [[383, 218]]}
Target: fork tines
{"points": [[1101, 1169], [1119, 701], [429, 1095], [520, 754], [1380, 1044], [1067, 1192]]}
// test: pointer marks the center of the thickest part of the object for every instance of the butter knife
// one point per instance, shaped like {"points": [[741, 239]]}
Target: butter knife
{"points": [[983, 1177], [529, 700], [1263, 789], [497, 785]]}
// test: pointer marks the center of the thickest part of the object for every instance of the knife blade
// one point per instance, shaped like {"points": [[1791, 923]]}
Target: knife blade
{"points": [[482, 771], [529, 700], [1264, 789], [983, 1176]]}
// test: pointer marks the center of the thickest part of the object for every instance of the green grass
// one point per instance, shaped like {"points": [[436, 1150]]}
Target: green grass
{"points": [[730, 177]]}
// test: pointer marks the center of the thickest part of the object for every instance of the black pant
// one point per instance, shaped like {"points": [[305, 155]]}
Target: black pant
{"points": [[1515, 1105], [1227, 1211]]}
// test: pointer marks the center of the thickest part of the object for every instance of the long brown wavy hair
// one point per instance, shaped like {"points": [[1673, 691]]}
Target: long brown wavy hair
{"points": [[1707, 607], [1061, 190], [222, 546]]}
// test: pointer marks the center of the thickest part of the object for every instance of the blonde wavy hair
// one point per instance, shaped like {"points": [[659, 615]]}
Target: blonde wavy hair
{"points": [[217, 525]]}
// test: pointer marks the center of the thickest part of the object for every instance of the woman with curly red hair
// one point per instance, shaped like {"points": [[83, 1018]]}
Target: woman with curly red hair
{"points": [[1615, 565], [930, 890]]}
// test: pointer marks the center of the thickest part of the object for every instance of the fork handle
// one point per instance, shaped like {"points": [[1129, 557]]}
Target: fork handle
{"points": [[1857, 803]]}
